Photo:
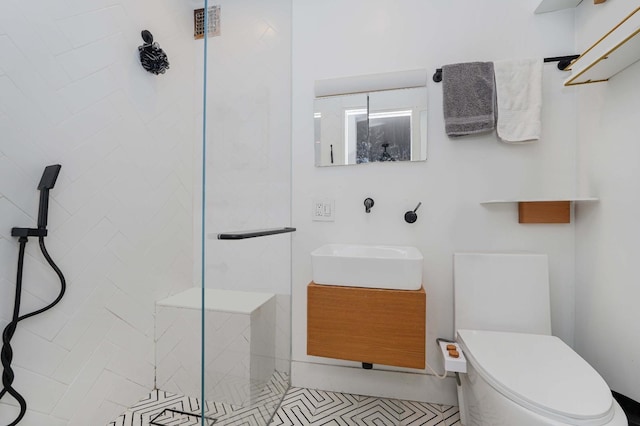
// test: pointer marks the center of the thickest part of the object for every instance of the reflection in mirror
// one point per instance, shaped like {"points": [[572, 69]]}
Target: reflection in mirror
{"points": [[398, 125], [388, 139], [380, 126], [336, 128]]}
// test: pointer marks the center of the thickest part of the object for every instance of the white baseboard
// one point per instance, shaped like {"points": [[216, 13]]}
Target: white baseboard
{"points": [[378, 383]]}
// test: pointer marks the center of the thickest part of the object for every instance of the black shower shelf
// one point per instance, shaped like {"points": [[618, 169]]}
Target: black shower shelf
{"points": [[242, 235]]}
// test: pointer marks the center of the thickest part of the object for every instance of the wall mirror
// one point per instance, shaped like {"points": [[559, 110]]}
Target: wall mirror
{"points": [[382, 126]]}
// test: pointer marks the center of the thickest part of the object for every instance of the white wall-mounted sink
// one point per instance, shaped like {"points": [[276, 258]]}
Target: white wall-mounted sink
{"points": [[373, 266]]}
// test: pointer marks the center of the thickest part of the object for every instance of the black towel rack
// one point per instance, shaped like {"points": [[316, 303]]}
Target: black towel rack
{"points": [[242, 235], [563, 63]]}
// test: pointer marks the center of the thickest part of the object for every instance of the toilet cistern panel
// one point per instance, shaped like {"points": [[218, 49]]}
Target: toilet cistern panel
{"points": [[502, 292]]}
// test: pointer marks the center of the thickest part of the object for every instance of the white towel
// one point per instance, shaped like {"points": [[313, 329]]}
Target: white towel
{"points": [[519, 98]]}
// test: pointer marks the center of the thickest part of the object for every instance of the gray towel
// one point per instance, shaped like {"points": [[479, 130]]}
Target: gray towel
{"points": [[468, 94]]}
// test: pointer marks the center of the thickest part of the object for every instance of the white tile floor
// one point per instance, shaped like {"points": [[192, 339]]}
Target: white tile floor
{"points": [[311, 407], [299, 407], [171, 409]]}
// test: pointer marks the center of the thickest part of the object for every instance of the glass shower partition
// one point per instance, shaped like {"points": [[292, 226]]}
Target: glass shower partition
{"points": [[246, 181]]}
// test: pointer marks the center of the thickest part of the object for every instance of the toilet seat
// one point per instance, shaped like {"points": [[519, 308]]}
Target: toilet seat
{"points": [[540, 373]]}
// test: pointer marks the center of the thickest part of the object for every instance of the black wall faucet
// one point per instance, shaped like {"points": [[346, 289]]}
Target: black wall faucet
{"points": [[412, 216], [368, 203]]}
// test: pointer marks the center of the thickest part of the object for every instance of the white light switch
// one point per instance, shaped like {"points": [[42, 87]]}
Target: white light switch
{"points": [[323, 210]]}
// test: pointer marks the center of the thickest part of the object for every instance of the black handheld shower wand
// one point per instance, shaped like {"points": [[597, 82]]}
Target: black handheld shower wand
{"points": [[47, 182]]}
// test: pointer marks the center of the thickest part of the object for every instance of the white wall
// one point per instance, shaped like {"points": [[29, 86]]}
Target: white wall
{"points": [[72, 92], [607, 241], [335, 38]]}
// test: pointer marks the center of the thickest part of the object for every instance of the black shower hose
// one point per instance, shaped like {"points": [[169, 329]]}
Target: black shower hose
{"points": [[6, 355]]}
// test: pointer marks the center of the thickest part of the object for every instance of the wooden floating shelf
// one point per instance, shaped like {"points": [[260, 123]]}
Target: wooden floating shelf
{"points": [[613, 53], [543, 210]]}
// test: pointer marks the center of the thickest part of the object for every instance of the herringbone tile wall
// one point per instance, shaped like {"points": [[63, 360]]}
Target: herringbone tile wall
{"points": [[121, 216]]}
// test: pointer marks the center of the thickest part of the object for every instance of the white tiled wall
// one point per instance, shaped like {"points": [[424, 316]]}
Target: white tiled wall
{"points": [[72, 92]]}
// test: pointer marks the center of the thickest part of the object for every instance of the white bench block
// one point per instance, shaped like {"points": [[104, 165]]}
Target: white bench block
{"points": [[239, 344]]}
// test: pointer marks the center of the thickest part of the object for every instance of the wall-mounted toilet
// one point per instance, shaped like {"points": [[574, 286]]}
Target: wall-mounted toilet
{"points": [[517, 373]]}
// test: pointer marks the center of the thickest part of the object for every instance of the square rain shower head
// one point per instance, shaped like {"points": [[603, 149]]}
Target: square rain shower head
{"points": [[214, 22]]}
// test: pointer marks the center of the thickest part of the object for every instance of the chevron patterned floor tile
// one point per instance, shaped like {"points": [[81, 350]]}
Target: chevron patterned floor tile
{"points": [[303, 407], [167, 409], [451, 415], [417, 413], [175, 417], [300, 407], [292, 417], [328, 404]]}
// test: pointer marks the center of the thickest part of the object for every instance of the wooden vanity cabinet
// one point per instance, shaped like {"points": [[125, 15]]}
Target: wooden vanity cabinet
{"points": [[375, 326]]}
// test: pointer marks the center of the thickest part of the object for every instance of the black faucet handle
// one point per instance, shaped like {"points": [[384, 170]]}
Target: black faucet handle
{"points": [[368, 203], [411, 216]]}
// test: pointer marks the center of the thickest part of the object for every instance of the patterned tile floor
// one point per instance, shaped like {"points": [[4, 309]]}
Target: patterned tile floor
{"points": [[162, 408], [166, 409], [300, 407], [319, 408]]}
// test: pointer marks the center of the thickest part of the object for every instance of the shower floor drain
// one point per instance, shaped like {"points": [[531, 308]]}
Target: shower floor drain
{"points": [[168, 417]]}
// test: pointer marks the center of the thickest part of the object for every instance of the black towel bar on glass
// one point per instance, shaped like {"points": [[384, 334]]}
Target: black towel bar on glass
{"points": [[242, 235], [563, 63]]}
